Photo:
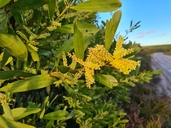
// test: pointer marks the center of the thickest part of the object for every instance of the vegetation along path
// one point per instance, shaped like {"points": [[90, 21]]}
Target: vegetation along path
{"points": [[163, 62]]}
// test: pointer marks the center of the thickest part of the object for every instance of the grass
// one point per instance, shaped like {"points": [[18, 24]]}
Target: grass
{"points": [[166, 49]]}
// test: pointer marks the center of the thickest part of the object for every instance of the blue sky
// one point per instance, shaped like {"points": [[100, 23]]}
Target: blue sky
{"points": [[155, 17]]}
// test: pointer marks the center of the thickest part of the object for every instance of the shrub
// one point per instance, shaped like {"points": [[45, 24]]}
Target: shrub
{"points": [[58, 69]]}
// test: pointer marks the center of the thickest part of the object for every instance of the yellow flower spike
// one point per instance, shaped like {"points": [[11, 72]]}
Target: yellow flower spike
{"points": [[33, 47], [55, 74], [80, 61], [99, 55], [89, 68], [1, 56], [3, 99], [119, 43], [121, 53], [67, 77], [73, 64], [91, 65], [58, 83], [64, 59], [89, 73], [124, 65], [78, 75]]}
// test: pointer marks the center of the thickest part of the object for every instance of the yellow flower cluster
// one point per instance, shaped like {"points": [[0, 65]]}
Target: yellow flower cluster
{"points": [[122, 64], [3, 99], [119, 51], [98, 57]]}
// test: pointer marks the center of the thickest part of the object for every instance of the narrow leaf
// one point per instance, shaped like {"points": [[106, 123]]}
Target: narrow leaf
{"points": [[63, 69], [69, 89], [32, 83], [83, 27], [7, 111], [14, 45], [4, 75], [156, 72], [8, 123], [78, 42], [4, 2], [44, 52], [87, 40], [57, 115], [106, 80], [21, 5], [17, 17], [51, 6], [3, 21], [67, 46], [5, 58], [18, 111], [27, 112], [44, 104], [50, 124], [111, 27], [98, 6]]}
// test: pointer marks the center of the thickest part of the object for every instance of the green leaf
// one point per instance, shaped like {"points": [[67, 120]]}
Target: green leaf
{"points": [[32, 83], [78, 42], [21, 5], [18, 111], [57, 115], [8, 123], [50, 124], [44, 104], [98, 6], [51, 6], [87, 40], [69, 89], [106, 80], [5, 58], [156, 72], [7, 111], [87, 28], [67, 46], [13, 45], [124, 121], [17, 17], [3, 21], [44, 52], [23, 112], [63, 69], [4, 75], [83, 27], [33, 53], [111, 27], [4, 2]]}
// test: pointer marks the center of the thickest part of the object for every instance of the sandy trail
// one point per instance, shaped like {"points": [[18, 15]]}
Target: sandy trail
{"points": [[163, 62]]}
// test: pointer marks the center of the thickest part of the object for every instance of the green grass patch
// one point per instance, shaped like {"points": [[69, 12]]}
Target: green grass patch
{"points": [[157, 48]]}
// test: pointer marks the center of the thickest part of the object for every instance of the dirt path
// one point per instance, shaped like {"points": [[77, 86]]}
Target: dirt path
{"points": [[163, 62]]}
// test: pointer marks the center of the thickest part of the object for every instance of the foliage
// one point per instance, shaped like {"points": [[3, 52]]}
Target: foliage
{"points": [[58, 69]]}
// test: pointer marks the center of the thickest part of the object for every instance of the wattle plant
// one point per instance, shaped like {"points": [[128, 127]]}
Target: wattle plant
{"points": [[59, 69]]}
